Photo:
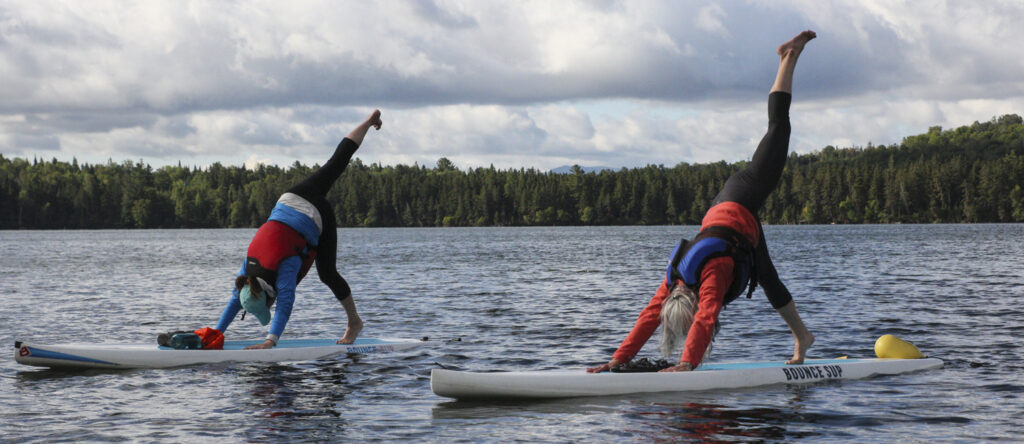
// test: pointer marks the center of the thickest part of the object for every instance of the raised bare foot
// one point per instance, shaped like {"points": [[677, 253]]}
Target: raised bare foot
{"points": [[800, 347], [374, 119], [796, 44]]}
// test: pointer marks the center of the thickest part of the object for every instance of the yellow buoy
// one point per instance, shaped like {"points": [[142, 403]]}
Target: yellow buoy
{"points": [[889, 346]]}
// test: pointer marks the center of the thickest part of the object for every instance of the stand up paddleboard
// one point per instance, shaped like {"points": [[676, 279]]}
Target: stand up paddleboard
{"points": [[574, 383], [127, 356]]}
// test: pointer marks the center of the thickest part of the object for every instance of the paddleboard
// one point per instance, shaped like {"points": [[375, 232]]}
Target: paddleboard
{"points": [[125, 356], [574, 383]]}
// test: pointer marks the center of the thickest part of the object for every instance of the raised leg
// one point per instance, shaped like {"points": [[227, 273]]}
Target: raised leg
{"points": [[789, 52]]}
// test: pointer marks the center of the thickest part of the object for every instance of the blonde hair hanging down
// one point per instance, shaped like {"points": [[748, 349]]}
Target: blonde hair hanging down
{"points": [[677, 312]]}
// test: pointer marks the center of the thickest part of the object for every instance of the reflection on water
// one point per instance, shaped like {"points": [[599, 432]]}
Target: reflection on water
{"points": [[658, 417], [523, 299], [704, 422], [285, 398]]}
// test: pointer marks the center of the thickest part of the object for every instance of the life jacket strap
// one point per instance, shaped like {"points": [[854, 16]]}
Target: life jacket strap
{"points": [[736, 246]]}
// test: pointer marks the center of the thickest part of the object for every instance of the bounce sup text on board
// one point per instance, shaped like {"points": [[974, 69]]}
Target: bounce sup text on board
{"points": [[813, 372]]}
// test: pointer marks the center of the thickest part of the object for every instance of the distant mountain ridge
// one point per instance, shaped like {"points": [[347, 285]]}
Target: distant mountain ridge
{"points": [[567, 169]]}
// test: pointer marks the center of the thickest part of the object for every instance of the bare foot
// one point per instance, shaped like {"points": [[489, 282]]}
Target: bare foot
{"points": [[352, 332], [796, 44], [374, 119], [800, 347]]}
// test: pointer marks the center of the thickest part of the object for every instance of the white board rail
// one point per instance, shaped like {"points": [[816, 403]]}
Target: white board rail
{"points": [[575, 383], [127, 356]]}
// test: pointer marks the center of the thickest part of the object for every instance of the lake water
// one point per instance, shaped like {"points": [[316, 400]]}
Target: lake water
{"points": [[522, 299]]}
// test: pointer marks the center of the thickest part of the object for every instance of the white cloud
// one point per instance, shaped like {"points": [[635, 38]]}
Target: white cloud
{"points": [[709, 19], [513, 84], [254, 161]]}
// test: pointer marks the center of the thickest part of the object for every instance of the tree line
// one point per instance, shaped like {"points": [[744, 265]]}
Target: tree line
{"points": [[968, 174]]}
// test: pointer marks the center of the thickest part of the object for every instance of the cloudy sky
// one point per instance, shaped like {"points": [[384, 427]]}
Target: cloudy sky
{"points": [[514, 84]]}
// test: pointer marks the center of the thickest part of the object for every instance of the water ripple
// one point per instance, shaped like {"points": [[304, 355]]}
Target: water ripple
{"points": [[515, 298]]}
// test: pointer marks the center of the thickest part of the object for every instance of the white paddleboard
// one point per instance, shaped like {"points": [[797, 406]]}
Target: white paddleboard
{"points": [[124, 356], [573, 383]]}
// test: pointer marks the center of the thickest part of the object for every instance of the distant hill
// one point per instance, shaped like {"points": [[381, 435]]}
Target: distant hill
{"points": [[567, 169]]}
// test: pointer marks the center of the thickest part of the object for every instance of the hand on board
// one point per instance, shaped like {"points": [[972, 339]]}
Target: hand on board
{"points": [[682, 367], [265, 345], [604, 367]]}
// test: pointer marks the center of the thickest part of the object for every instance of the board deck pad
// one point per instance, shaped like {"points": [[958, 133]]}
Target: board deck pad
{"points": [[126, 356], [575, 383]]}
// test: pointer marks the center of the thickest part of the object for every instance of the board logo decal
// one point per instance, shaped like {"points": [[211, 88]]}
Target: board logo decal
{"points": [[24, 352], [370, 348], [813, 372]]}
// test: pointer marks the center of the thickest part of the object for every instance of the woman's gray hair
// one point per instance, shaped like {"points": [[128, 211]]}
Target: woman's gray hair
{"points": [[677, 313]]}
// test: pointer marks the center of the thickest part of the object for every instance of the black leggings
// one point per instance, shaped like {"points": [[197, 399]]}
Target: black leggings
{"points": [[314, 189], [751, 186]]}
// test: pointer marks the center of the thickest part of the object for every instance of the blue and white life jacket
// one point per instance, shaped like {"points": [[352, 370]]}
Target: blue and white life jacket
{"points": [[690, 256]]}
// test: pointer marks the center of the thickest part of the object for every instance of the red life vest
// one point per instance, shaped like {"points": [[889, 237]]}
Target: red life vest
{"points": [[273, 243]]}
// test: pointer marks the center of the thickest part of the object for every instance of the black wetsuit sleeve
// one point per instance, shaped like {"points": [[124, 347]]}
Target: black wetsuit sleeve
{"points": [[768, 277]]}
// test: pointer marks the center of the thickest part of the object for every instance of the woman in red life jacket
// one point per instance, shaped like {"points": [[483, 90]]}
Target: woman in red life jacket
{"points": [[714, 269], [300, 231]]}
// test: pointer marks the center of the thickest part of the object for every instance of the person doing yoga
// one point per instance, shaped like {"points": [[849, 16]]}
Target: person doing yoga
{"points": [[300, 231], [729, 255]]}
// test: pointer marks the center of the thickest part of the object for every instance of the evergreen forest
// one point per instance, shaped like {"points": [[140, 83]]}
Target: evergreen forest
{"points": [[969, 174]]}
